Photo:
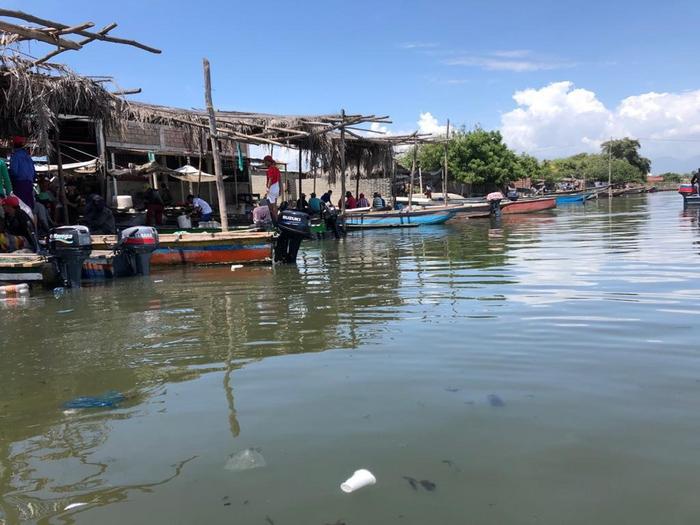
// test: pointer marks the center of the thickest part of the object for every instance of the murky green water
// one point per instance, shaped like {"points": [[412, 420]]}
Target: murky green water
{"points": [[383, 351]]}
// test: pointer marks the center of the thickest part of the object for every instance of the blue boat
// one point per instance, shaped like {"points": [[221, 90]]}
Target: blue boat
{"points": [[396, 218], [572, 198]]}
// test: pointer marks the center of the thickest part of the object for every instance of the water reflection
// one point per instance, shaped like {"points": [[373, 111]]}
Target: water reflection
{"points": [[179, 342]]}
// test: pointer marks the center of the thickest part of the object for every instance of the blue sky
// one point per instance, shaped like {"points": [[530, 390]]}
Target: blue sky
{"points": [[462, 60]]}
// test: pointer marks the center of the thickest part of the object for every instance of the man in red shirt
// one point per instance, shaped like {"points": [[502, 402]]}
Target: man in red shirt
{"points": [[350, 201], [273, 185]]}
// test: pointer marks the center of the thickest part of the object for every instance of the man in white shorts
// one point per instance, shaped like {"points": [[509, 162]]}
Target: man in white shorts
{"points": [[273, 185]]}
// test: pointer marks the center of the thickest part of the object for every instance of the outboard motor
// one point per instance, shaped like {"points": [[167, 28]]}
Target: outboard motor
{"points": [[331, 216], [71, 246], [294, 226], [134, 250]]}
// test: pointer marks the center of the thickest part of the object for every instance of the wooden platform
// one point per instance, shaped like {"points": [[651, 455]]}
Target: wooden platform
{"points": [[21, 267]]}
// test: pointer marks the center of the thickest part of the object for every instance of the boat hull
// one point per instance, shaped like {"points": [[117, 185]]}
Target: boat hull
{"points": [[691, 200], [398, 217], [528, 206], [206, 248], [571, 199]]}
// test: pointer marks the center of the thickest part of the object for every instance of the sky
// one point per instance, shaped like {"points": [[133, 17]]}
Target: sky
{"points": [[556, 77]]}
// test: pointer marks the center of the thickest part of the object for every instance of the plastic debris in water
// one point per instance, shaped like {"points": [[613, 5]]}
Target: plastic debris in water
{"points": [[58, 292], [361, 478], [496, 401], [74, 506], [107, 400], [235, 267], [247, 459]]}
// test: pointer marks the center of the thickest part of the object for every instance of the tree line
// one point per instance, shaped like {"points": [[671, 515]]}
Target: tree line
{"points": [[480, 157]]}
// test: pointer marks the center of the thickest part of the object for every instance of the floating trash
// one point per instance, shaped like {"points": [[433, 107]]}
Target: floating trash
{"points": [[74, 506], [428, 485], [59, 292], [361, 478], [247, 459], [235, 267], [107, 400], [496, 401], [158, 281]]}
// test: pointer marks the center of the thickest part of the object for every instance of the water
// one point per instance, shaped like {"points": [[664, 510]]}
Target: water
{"points": [[541, 370]]}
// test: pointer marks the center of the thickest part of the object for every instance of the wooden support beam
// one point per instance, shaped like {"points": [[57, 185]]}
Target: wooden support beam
{"points": [[68, 30], [342, 165], [215, 147], [82, 42], [49, 23], [35, 34]]}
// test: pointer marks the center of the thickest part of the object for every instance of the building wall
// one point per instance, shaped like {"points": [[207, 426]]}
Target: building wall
{"points": [[367, 186]]}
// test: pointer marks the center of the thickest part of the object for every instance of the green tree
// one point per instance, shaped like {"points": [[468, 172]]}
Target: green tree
{"points": [[478, 157], [595, 167], [627, 149], [674, 177]]}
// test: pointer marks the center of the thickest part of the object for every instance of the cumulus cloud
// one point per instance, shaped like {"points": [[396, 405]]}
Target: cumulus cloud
{"points": [[561, 119], [427, 123]]}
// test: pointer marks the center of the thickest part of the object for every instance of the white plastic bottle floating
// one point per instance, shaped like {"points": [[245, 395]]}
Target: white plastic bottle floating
{"points": [[361, 478], [58, 292], [247, 459]]}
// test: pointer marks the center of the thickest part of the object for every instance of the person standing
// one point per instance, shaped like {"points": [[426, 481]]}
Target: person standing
{"points": [[154, 207], [272, 183], [326, 197], [695, 181], [22, 174]]}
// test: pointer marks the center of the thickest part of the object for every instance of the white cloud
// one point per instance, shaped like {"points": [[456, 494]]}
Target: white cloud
{"points": [[515, 60], [560, 119], [427, 123], [418, 45]]}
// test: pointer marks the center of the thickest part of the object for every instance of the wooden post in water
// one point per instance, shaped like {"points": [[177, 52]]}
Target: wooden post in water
{"points": [[61, 180], [342, 163], [610, 168], [444, 170], [215, 147], [413, 171]]}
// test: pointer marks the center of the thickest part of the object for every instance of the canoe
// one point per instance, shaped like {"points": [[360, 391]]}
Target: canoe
{"points": [[572, 198], [397, 217], [528, 205], [204, 248], [615, 193]]}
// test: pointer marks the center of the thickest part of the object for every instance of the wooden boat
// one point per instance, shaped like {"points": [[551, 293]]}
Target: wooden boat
{"points": [[614, 193], [22, 267], [204, 248], [572, 198], [691, 200], [528, 205], [391, 218], [634, 191]]}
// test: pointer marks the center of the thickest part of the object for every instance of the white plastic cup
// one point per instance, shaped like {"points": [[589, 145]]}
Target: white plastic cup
{"points": [[361, 478]]}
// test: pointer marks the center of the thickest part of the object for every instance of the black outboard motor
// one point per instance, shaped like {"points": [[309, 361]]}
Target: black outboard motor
{"points": [[495, 207], [331, 216], [134, 250], [294, 226], [71, 246]]}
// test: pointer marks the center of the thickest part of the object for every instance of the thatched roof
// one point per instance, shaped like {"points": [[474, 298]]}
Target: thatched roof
{"points": [[31, 101]]}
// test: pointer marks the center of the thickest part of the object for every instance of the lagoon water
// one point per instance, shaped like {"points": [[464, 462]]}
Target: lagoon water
{"points": [[543, 369]]}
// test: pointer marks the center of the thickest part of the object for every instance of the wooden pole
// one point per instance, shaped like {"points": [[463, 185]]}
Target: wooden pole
{"points": [[444, 174], [299, 196], [102, 149], [342, 164], [215, 147], [413, 171], [610, 168], [357, 182], [201, 154], [61, 180], [393, 181]]}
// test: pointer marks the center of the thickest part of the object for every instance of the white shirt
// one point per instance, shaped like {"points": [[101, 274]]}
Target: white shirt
{"points": [[202, 205]]}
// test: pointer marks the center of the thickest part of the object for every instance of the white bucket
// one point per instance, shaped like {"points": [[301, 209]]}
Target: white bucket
{"points": [[122, 202], [184, 222]]}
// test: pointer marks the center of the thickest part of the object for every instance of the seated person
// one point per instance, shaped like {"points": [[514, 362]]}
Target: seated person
{"points": [[302, 205], [18, 223], [362, 202], [315, 204], [200, 206], [377, 202], [43, 218], [261, 214], [99, 219]]}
